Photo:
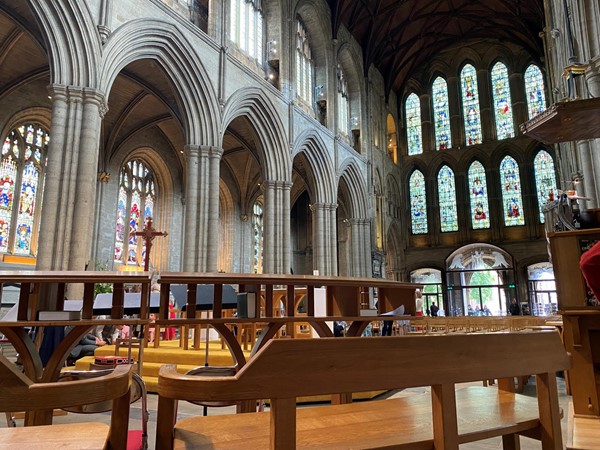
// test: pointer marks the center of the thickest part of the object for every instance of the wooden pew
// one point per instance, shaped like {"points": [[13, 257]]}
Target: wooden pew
{"points": [[19, 393], [286, 369]]}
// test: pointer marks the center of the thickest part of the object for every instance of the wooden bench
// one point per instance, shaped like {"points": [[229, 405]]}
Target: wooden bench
{"points": [[18, 393], [286, 369]]}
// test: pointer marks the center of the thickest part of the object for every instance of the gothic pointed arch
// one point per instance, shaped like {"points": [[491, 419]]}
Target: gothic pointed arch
{"points": [[321, 180], [73, 43], [162, 41], [253, 104], [355, 183]]}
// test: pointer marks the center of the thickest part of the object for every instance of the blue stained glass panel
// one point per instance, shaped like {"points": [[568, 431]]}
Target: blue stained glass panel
{"points": [[512, 200], [441, 114], [545, 179], [470, 100], [418, 203], [534, 91], [413, 125], [502, 102], [447, 200], [480, 210]]}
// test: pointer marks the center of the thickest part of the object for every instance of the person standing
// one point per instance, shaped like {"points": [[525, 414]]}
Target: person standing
{"points": [[514, 308], [433, 310]]}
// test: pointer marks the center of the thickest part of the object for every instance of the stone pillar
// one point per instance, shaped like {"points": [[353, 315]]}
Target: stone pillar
{"points": [[325, 238], [427, 128], [276, 249], [457, 128], [212, 232], [355, 243], [70, 183], [190, 245], [517, 98], [104, 19], [487, 113], [332, 232], [587, 168], [366, 263]]}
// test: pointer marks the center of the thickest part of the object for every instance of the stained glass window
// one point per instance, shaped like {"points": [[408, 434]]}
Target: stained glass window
{"points": [[246, 27], [136, 202], [418, 203], [470, 102], [21, 174], [545, 179], [510, 183], [257, 229], [441, 114], [534, 91], [502, 102], [480, 211], [342, 90], [304, 65], [413, 125], [447, 200]]}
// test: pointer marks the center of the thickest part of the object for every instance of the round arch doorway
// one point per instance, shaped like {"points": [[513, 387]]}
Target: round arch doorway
{"points": [[480, 281]]}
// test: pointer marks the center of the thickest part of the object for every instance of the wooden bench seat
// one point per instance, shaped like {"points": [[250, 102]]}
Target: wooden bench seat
{"points": [[286, 369], [402, 422], [75, 436]]}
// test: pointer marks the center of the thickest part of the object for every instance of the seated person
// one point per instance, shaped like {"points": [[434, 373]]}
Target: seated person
{"points": [[85, 347], [590, 267]]}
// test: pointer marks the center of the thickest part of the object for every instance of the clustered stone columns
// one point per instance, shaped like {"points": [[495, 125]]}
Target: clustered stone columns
{"points": [[70, 182], [276, 251], [360, 232], [589, 150], [325, 238], [202, 208]]}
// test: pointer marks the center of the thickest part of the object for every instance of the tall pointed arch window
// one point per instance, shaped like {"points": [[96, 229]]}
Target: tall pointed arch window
{"points": [[304, 64], [447, 200], [22, 171], [414, 135], [137, 201], [470, 102], [505, 127], [545, 179], [257, 233], [534, 91], [441, 114], [512, 200], [246, 26], [478, 195], [342, 94], [418, 203]]}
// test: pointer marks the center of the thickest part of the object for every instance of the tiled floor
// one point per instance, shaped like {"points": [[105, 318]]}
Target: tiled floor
{"points": [[186, 409]]}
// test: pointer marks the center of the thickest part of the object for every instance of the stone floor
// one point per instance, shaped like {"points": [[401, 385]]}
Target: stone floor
{"points": [[186, 409]]}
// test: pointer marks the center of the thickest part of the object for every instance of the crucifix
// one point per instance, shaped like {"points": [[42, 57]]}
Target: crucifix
{"points": [[148, 234]]}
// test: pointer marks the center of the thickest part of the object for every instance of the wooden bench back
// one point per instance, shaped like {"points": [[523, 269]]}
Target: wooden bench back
{"points": [[18, 393], [293, 368]]}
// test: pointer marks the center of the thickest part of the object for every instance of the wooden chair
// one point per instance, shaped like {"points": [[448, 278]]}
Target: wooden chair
{"points": [[136, 439], [19, 393]]}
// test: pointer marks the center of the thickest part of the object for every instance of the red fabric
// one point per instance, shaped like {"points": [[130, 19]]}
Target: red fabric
{"points": [[590, 267], [135, 440]]}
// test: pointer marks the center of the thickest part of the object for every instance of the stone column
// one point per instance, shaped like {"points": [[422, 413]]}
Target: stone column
{"points": [[276, 249], [457, 128], [214, 155], [427, 128], [517, 98], [332, 233], [70, 182], [320, 236], [487, 114], [190, 245], [355, 243], [104, 19]]}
